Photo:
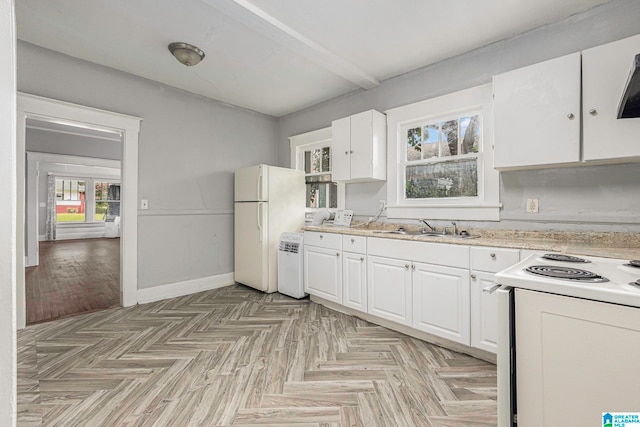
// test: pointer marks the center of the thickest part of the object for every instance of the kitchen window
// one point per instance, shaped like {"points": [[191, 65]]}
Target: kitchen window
{"points": [[440, 166], [311, 152]]}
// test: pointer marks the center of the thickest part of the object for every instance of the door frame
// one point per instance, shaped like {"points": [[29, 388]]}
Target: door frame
{"points": [[51, 110]]}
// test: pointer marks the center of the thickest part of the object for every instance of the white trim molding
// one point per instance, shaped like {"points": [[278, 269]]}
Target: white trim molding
{"points": [[187, 287], [60, 112]]}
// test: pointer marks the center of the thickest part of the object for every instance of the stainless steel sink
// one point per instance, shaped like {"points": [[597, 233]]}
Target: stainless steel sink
{"points": [[426, 233], [409, 233]]}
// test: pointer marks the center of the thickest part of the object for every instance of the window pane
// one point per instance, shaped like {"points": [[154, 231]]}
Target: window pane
{"points": [[449, 144], [322, 195], [470, 131], [70, 200], [414, 143], [445, 179], [326, 159], [431, 141], [307, 162]]}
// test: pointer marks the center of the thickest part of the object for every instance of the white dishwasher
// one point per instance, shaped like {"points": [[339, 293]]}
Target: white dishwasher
{"points": [[290, 265]]}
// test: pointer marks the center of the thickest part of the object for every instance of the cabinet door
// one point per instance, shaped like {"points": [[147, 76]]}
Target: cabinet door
{"points": [[484, 315], [354, 281], [605, 70], [441, 301], [537, 114], [389, 289], [361, 144], [323, 273], [341, 149], [575, 359]]}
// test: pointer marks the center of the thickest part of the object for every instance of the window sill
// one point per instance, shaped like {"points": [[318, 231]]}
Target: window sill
{"points": [[475, 212]]}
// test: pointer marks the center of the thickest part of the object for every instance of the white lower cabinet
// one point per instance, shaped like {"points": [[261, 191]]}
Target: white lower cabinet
{"points": [[354, 283], [484, 314], [323, 273], [441, 301], [441, 289], [389, 289]]}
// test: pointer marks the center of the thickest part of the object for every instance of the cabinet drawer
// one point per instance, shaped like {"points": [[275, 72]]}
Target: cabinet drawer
{"points": [[323, 240], [357, 244], [493, 259]]}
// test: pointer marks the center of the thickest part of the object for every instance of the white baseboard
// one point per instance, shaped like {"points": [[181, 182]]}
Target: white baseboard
{"points": [[42, 238], [187, 287]]}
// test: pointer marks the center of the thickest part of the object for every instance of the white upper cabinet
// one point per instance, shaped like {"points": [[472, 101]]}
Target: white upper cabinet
{"points": [[537, 114], [605, 70], [359, 147], [539, 121]]}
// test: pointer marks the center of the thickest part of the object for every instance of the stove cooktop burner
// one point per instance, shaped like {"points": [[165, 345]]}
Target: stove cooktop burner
{"points": [[633, 263], [566, 258], [566, 273]]}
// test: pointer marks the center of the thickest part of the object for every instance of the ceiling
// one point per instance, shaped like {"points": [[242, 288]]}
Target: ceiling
{"points": [[279, 56]]}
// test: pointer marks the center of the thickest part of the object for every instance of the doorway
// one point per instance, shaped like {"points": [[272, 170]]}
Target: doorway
{"points": [[59, 112]]}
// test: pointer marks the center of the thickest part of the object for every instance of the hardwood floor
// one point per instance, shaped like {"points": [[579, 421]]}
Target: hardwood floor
{"points": [[235, 356], [74, 276]]}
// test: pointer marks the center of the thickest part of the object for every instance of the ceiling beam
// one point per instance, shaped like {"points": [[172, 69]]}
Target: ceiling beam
{"points": [[267, 25]]}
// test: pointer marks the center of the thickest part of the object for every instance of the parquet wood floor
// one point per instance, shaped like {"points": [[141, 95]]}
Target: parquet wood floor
{"points": [[74, 276], [238, 357]]}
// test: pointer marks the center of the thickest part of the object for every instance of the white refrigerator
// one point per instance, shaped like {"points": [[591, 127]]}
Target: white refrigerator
{"points": [[268, 201]]}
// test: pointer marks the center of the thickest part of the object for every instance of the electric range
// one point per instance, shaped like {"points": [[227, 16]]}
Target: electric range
{"points": [[600, 279]]}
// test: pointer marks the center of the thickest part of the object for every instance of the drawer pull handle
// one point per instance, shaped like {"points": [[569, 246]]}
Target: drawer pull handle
{"points": [[321, 236], [491, 289], [406, 266], [361, 258], [413, 267], [353, 240], [337, 253], [492, 255], [473, 276], [593, 112], [571, 116]]}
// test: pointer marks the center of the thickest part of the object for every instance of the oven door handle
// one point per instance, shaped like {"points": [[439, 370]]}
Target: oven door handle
{"points": [[491, 289]]}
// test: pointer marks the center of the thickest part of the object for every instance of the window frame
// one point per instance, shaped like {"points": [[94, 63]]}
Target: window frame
{"points": [[314, 139], [485, 206]]}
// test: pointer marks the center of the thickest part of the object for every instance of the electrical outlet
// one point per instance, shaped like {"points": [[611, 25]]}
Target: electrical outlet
{"points": [[144, 204], [532, 205]]}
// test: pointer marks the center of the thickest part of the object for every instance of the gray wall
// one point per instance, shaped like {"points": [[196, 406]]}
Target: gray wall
{"points": [[593, 195], [189, 147], [46, 141]]}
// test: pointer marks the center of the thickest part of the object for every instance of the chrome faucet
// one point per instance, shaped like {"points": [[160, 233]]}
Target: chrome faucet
{"points": [[455, 228], [425, 225]]}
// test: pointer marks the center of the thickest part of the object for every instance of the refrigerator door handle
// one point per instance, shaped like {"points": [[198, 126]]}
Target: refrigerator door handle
{"points": [[259, 186], [259, 220]]}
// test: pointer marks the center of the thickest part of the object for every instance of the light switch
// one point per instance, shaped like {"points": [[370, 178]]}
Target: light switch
{"points": [[144, 204]]}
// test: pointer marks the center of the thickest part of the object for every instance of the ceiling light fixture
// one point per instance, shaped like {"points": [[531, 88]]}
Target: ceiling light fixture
{"points": [[186, 53]]}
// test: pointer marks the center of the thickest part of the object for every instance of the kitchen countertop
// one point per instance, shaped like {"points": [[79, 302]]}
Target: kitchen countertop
{"points": [[602, 244]]}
